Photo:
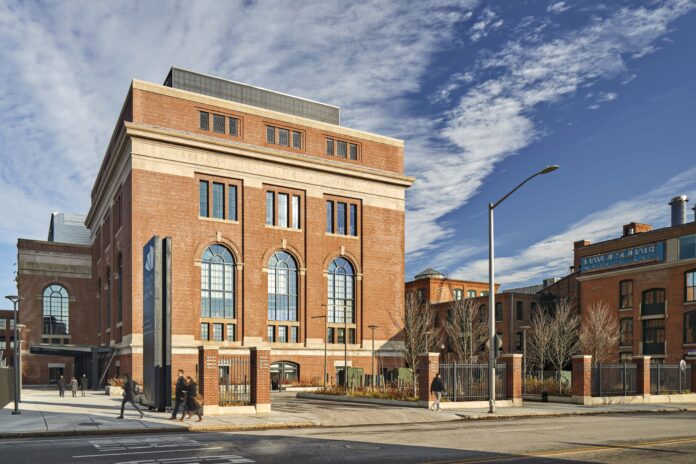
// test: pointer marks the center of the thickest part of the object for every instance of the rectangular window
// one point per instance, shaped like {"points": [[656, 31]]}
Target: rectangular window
{"points": [[353, 151], [471, 293], [498, 311], [341, 149], [330, 216], [341, 218], [232, 203], [354, 220], [230, 332], [690, 286], [282, 334], [271, 333], [518, 341], [654, 331], [687, 247], [283, 137], [351, 336], [218, 201], [520, 311], [626, 294], [341, 336], [205, 120], [293, 334], [270, 208], [296, 139], [218, 123], [457, 293], [203, 201], [329, 146], [234, 126], [690, 327], [626, 333], [283, 209], [217, 332], [330, 332], [295, 212], [204, 331], [270, 134]]}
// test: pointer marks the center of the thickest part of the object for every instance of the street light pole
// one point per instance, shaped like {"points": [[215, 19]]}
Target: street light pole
{"points": [[15, 300], [326, 339], [491, 289], [372, 383], [524, 358]]}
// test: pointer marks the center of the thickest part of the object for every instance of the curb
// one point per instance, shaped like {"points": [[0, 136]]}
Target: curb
{"points": [[573, 413]]}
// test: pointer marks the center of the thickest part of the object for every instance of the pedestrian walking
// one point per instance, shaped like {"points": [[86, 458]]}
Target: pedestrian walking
{"points": [[193, 402], [61, 386], [83, 385], [437, 387], [73, 386], [179, 395], [129, 396]]}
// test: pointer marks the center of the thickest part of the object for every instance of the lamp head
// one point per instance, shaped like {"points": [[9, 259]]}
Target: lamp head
{"points": [[13, 298], [548, 169]]}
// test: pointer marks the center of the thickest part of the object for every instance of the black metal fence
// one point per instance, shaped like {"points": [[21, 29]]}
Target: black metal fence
{"points": [[614, 379], [235, 380], [469, 382], [667, 379]]}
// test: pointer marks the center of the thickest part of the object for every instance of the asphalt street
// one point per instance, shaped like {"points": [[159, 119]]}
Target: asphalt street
{"points": [[631, 438]]}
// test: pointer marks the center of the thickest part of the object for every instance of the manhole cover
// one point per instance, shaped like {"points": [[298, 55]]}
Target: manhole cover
{"points": [[90, 424], [363, 447]]}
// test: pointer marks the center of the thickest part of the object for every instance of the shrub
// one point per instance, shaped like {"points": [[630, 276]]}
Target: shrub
{"points": [[548, 385], [387, 392]]}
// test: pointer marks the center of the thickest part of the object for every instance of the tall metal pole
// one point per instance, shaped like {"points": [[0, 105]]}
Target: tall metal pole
{"points": [[345, 351], [372, 383], [15, 300], [491, 314]]}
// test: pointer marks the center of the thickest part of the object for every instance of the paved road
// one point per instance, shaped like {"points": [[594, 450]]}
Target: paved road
{"points": [[663, 438]]}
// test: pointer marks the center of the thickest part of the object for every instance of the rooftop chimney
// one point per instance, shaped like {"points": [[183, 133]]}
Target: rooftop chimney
{"points": [[678, 205], [635, 228]]}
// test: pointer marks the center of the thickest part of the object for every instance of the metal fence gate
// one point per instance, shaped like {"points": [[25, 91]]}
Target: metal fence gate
{"points": [[469, 382], [614, 379], [234, 380], [666, 379]]}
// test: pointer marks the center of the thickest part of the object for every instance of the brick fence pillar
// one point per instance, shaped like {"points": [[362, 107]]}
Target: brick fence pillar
{"points": [[513, 377], [209, 377], [260, 364], [642, 374], [582, 379], [428, 366]]}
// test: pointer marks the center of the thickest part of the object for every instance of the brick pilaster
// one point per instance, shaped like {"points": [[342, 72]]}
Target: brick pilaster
{"points": [[582, 379], [209, 375], [513, 377], [260, 364], [642, 374], [428, 366]]}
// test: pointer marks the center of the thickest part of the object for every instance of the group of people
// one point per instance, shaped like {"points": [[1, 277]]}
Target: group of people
{"points": [[186, 398], [74, 385]]}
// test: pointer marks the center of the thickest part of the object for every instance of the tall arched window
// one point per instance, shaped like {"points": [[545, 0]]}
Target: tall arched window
{"points": [[282, 287], [341, 291], [55, 310], [217, 282]]}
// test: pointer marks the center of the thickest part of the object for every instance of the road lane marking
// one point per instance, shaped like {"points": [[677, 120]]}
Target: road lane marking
{"points": [[146, 452], [224, 459], [534, 429]]}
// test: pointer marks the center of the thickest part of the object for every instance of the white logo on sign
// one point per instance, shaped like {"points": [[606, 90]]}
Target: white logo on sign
{"points": [[150, 259]]}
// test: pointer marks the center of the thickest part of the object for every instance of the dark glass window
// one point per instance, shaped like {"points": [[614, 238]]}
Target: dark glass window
{"points": [[270, 208], [282, 287], [282, 334], [520, 311], [518, 341], [341, 335], [690, 286], [351, 336], [293, 334], [218, 123], [217, 282], [329, 146], [353, 220], [55, 310], [230, 332], [687, 247], [341, 218], [626, 294], [353, 151], [296, 139], [204, 331], [218, 201], [271, 333], [232, 203], [204, 120], [690, 327], [108, 297], [498, 311], [283, 137], [482, 313], [654, 331], [119, 309], [330, 335], [217, 332], [626, 333], [270, 134], [203, 201], [234, 126], [329, 216], [341, 284], [341, 149]]}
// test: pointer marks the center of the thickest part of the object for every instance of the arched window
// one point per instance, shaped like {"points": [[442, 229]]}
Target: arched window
{"points": [[282, 287], [55, 310], [341, 291], [217, 282], [108, 297], [120, 287]]}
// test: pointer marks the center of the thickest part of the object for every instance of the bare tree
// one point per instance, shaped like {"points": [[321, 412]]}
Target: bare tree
{"points": [[417, 321], [466, 329], [565, 326], [540, 339], [600, 332]]}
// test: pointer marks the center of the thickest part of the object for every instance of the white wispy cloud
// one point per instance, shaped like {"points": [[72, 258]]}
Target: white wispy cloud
{"points": [[486, 22], [557, 7], [495, 117]]}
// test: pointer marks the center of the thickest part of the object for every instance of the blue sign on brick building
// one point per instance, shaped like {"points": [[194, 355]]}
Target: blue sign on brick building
{"points": [[625, 257]]}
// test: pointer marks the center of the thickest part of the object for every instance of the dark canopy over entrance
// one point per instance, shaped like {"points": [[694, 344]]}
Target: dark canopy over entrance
{"points": [[86, 359]]}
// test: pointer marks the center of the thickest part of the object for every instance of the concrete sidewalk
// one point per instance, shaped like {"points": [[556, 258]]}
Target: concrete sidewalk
{"points": [[44, 413]]}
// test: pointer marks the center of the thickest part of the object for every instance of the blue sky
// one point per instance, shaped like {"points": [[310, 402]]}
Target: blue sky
{"points": [[483, 93]]}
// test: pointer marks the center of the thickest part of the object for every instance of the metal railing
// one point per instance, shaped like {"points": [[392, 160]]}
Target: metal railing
{"points": [[235, 380], [469, 382], [614, 379], [666, 379]]}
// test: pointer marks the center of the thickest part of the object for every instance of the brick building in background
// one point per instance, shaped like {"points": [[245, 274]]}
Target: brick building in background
{"points": [[648, 278], [278, 215]]}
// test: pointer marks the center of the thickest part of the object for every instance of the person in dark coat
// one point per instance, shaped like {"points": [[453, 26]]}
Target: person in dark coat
{"points": [[179, 395], [83, 384], [437, 387], [129, 396], [192, 403], [61, 386]]}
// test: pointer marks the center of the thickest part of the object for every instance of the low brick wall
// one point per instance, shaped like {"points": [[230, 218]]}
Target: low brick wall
{"points": [[6, 386]]}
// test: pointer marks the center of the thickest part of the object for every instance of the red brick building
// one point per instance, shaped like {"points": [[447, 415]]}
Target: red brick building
{"points": [[434, 287], [279, 217], [648, 277]]}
